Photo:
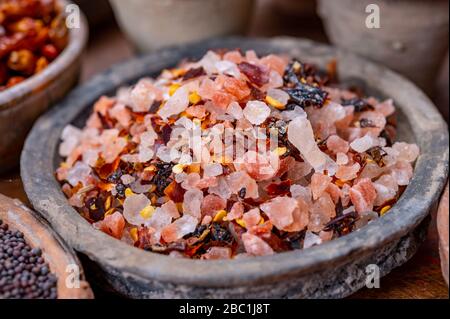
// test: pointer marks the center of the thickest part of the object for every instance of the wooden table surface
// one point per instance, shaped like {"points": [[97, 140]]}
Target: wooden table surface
{"points": [[421, 277]]}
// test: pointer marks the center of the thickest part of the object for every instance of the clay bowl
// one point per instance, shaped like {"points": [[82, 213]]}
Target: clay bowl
{"points": [[38, 234], [22, 104], [442, 225], [332, 270]]}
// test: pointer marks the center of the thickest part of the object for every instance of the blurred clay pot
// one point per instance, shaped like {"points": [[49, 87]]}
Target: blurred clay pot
{"points": [[296, 8], [412, 39], [152, 24], [442, 224]]}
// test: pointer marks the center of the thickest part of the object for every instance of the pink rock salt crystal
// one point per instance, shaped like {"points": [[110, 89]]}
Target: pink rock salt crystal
{"points": [[157, 222], [299, 170], [208, 62], [326, 235], [217, 253], [342, 159], [256, 112], [335, 192], [236, 87], [345, 195], [235, 110], [301, 135], [143, 95], [386, 108], [179, 228], [221, 188], [252, 218], [207, 89], [371, 171], [321, 212], [112, 225], [256, 246], [122, 114], [402, 172], [252, 57], [192, 203], [206, 220], [132, 207], [233, 56], [376, 119], [279, 95], [103, 105], [79, 173], [363, 195], [213, 169], [406, 152], [198, 111], [212, 204], [176, 104], [387, 188], [221, 100], [348, 173], [364, 143], [319, 184], [70, 139], [171, 209], [236, 212], [275, 63], [337, 144], [257, 166], [280, 211], [301, 217], [302, 192], [239, 180]]}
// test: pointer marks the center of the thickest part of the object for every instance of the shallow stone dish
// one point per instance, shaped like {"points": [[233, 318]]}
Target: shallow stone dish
{"points": [[22, 104], [332, 270]]}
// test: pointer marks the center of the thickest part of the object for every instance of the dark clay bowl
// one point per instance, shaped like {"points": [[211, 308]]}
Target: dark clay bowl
{"points": [[22, 104], [334, 269]]}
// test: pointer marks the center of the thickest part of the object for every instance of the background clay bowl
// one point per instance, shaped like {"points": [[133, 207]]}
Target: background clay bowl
{"points": [[22, 104], [38, 234], [335, 269]]}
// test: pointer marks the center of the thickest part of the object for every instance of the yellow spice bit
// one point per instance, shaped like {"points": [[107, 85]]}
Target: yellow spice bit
{"points": [[178, 169], [147, 212], [203, 235], [64, 165], [275, 103], [280, 151], [385, 209], [108, 203], [134, 234], [262, 221], [173, 88], [93, 207], [179, 207], [194, 98], [339, 183], [197, 122], [151, 168], [194, 168], [220, 216], [370, 161], [241, 222], [128, 192]]}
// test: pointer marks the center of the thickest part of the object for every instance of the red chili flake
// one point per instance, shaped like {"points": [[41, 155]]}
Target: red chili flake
{"points": [[194, 73], [175, 192], [166, 131], [279, 189], [49, 51], [254, 73]]}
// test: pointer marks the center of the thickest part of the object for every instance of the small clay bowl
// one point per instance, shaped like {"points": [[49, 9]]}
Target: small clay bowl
{"points": [[38, 234], [334, 269], [22, 104], [442, 225]]}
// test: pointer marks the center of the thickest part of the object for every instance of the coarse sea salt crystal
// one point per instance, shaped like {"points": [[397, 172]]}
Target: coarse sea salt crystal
{"points": [[406, 152], [297, 112], [79, 173], [387, 188], [301, 135], [132, 207], [228, 68], [179, 228], [192, 203], [256, 112], [311, 239], [364, 143], [71, 137], [176, 104], [280, 210], [235, 110], [127, 179], [256, 246]]}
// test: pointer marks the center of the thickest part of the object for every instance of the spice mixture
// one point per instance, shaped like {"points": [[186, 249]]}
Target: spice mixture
{"points": [[32, 34], [234, 156], [23, 272]]}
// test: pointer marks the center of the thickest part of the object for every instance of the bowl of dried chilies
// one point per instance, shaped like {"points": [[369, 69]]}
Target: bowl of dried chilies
{"points": [[283, 168], [39, 64]]}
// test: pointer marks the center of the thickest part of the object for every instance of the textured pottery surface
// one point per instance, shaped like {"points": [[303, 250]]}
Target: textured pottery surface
{"points": [[158, 23], [442, 224], [22, 104], [334, 269], [39, 234], [412, 38]]}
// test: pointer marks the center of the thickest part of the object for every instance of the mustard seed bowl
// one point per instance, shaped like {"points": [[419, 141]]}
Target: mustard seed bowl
{"points": [[331, 270], [22, 104]]}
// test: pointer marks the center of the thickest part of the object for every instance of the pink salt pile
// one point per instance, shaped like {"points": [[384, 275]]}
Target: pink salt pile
{"points": [[184, 164]]}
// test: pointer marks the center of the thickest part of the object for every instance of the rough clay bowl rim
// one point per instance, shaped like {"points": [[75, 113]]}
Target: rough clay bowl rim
{"points": [[37, 169], [24, 90]]}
